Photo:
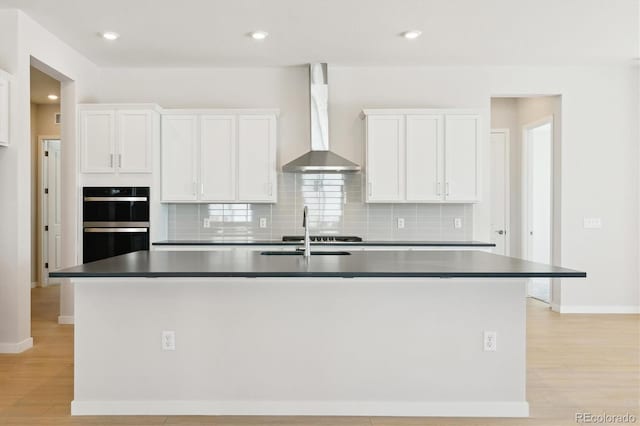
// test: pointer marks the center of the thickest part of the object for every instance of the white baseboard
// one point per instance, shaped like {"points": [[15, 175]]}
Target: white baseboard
{"points": [[596, 309], [35, 284], [65, 319], [15, 348], [303, 408]]}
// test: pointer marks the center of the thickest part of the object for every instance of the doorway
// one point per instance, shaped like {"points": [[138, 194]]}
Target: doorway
{"points": [[51, 208], [45, 97], [500, 191], [525, 222], [538, 199]]}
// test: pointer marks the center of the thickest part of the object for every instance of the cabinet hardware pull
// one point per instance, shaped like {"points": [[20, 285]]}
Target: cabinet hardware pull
{"points": [[120, 160], [447, 188], [270, 189], [110, 160], [438, 189], [195, 187], [202, 189], [369, 185]]}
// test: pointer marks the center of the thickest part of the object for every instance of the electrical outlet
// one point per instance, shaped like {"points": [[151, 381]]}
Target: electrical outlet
{"points": [[592, 223], [206, 223], [400, 222], [457, 223], [490, 341], [263, 222], [168, 340]]}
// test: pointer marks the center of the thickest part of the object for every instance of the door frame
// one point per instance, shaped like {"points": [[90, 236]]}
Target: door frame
{"points": [[43, 210], [526, 176], [507, 201]]}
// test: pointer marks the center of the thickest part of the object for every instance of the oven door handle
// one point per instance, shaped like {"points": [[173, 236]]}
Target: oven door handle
{"points": [[116, 199], [111, 230]]}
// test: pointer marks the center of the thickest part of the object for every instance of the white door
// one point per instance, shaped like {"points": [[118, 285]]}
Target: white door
{"points": [[217, 158], [135, 138], [538, 150], [500, 191], [179, 148], [385, 158], [423, 157], [52, 213], [257, 158], [97, 141], [462, 133]]}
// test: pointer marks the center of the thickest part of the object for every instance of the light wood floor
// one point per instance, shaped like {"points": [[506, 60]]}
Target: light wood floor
{"points": [[575, 363]]}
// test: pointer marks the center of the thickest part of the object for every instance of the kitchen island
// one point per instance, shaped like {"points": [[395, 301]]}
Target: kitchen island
{"points": [[368, 333]]}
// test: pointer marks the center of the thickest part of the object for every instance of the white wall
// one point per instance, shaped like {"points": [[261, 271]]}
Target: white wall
{"points": [[599, 131], [22, 38]]}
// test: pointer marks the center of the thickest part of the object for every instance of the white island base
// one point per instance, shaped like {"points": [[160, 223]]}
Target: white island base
{"points": [[300, 346]]}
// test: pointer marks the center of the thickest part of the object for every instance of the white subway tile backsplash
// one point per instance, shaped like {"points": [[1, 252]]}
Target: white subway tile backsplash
{"points": [[336, 206]]}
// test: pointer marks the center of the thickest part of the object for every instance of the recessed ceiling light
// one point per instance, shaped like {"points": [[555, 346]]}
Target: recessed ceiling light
{"points": [[53, 97], [110, 35], [259, 35], [411, 35]]}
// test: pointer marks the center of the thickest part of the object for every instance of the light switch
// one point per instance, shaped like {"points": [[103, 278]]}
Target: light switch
{"points": [[400, 223], [592, 223], [263, 222], [457, 223]]}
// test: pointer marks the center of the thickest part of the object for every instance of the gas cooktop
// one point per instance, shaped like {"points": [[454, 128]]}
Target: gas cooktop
{"points": [[323, 238]]}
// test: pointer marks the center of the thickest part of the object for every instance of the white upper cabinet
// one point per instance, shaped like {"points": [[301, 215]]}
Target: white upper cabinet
{"points": [[385, 158], [217, 158], [461, 157], [422, 156], [225, 157], [117, 138], [257, 158], [134, 140], [97, 139], [179, 147], [425, 139]]}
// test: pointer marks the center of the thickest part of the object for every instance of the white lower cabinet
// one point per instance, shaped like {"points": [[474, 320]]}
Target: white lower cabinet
{"points": [[219, 157], [422, 156]]}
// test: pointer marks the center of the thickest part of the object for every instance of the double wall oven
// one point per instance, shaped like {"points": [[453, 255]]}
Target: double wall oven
{"points": [[115, 221]]}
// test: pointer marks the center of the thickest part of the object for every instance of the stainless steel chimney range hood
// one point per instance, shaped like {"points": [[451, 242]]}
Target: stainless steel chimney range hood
{"points": [[320, 159]]}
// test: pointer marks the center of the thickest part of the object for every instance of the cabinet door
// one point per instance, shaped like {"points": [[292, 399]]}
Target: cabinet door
{"points": [[179, 144], [4, 109], [217, 158], [135, 141], [97, 141], [424, 158], [257, 158], [385, 158], [462, 133]]}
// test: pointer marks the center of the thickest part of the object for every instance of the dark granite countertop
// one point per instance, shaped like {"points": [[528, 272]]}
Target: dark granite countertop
{"points": [[443, 264], [360, 243]]}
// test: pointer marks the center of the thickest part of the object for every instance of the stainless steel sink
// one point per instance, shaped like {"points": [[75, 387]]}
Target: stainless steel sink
{"points": [[300, 253]]}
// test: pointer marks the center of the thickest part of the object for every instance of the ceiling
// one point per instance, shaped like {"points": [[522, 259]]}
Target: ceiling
{"points": [[200, 33], [41, 86]]}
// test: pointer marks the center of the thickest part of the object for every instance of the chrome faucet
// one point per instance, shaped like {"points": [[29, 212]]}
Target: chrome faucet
{"points": [[307, 239]]}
